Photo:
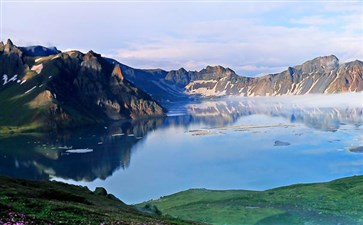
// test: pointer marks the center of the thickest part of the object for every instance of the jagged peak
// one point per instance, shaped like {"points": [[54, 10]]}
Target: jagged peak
{"points": [[217, 69], [326, 58], [353, 63], [92, 53], [357, 61], [182, 70], [322, 64], [9, 42], [9, 47]]}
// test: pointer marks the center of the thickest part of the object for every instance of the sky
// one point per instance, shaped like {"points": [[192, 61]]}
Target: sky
{"points": [[250, 37]]}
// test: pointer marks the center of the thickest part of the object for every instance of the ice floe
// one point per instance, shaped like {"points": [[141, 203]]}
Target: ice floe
{"points": [[65, 147], [81, 150]]}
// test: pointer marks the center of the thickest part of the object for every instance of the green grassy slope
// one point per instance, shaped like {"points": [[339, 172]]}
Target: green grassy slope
{"points": [[45, 202], [16, 114], [335, 202]]}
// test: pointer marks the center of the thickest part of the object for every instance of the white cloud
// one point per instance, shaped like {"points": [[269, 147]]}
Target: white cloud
{"points": [[250, 38], [247, 47]]}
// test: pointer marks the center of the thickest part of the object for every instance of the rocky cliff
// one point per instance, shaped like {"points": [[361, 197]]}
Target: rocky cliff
{"points": [[66, 89]]}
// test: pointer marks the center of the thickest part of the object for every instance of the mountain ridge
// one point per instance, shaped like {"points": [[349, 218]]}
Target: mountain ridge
{"points": [[322, 74], [310, 77], [68, 89], [74, 87]]}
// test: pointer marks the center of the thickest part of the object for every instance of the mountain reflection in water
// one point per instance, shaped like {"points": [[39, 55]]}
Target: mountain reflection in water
{"points": [[222, 113], [42, 156]]}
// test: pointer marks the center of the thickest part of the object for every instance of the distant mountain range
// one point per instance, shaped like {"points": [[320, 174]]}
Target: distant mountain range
{"points": [[46, 88], [322, 75]]}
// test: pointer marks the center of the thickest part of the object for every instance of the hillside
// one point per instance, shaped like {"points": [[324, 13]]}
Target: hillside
{"points": [[46, 202], [68, 89], [336, 202]]}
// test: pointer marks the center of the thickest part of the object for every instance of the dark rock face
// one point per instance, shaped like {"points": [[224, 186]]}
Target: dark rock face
{"points": [[179, 77], [101, 88], [155, 83], [70, 89]]}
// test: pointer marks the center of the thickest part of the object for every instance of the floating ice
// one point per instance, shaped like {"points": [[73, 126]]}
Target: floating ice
{"points": [[65, 147], [81, 150]]}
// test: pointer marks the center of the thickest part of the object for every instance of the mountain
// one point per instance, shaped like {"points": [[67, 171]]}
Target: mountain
{"points": [[67, 89], [320, 75], [154, 82], [43, 87]]}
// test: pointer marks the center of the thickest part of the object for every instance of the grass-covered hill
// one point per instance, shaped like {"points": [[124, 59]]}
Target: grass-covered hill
{"points": [[46, 202], [336, 202]]}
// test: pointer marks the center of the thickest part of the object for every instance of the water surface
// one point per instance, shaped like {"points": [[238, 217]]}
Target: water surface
{"points": [[233, 143]]}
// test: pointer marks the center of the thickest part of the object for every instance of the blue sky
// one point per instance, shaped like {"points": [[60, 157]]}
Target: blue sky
{"points": [[250, 37]]}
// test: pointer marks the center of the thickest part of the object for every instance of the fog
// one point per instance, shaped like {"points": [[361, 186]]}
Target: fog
{"points": [[311, 100]]}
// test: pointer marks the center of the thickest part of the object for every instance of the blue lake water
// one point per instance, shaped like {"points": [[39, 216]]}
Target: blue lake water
{"points": [[233, 143]]}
